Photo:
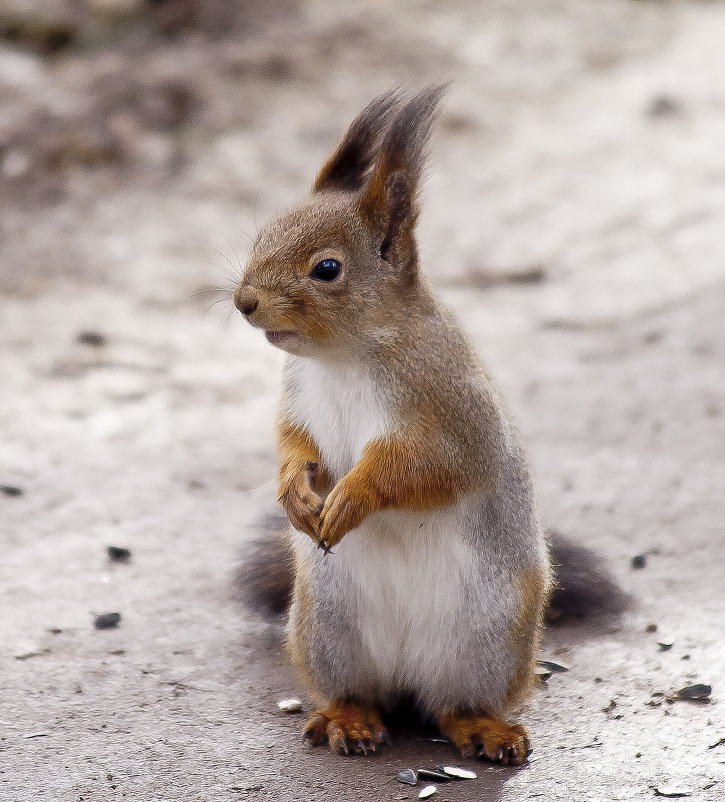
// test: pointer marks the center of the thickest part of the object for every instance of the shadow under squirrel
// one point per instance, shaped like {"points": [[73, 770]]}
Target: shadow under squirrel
{"points": [[419, 567]]}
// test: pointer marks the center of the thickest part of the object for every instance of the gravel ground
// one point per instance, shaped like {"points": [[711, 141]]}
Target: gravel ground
{"points": [[573, 219]]}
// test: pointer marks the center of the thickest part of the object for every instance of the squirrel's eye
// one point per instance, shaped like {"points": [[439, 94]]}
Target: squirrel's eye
{"points": [[326, 270]]}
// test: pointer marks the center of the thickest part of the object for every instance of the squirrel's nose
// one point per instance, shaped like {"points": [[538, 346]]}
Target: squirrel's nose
{"points": [[245, 301]]}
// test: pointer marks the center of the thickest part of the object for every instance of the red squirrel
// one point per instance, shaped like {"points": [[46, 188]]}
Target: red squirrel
{"points": [[419, 564]]}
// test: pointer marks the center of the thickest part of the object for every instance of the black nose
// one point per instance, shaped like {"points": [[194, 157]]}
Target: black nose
{"points": [[245, 299], [247, 307]]}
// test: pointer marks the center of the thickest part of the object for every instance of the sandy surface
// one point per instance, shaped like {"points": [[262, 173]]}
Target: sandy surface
{"points": [[573, 219]]}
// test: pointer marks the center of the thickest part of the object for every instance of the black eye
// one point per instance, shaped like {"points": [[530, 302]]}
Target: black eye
{"points": [[326, 270]]}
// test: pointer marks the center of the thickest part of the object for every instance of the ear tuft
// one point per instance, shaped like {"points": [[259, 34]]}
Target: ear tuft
{"points": [[348, 166], [388, 203]]}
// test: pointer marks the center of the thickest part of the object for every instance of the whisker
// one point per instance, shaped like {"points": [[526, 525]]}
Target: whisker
{"points": [[216, 303], [211, 264], [236, 268], [209, 291], [239, 266], [254, 210], [248, 236]]}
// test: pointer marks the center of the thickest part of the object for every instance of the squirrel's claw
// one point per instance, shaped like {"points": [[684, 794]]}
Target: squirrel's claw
{"points": [[321, 542], [363, 745]]}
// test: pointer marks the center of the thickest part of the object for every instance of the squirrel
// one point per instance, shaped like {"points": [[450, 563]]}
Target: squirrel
{"points": [[419, 566]]}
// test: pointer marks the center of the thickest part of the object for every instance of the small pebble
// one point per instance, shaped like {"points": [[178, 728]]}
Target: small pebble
{"points": [[651, 628], [673, 790], [457, 772], [433, 774], [107, 621], [92, 338], [638, 561], [429, 790], [119, 554], [11, 490], [662, 106], [290, 705], [408, 777], [697, 692]]}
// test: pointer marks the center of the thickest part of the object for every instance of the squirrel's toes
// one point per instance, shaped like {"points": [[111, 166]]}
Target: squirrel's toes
{"points": [[347, 727], [487, 737]]}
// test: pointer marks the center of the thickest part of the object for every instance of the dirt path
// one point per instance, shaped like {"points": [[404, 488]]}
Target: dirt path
{"points": [[574, 221]]}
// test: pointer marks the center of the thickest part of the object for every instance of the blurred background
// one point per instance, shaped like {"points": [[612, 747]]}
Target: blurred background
{"points": [[573, 218]]}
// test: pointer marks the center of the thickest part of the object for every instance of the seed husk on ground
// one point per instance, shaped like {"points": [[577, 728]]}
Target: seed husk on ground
{"points": [[118, 554], [290, 705], [673, 791], [552, 665], [697, 693], [408, 777], [457, 772], [429, 790], [433, 774]]}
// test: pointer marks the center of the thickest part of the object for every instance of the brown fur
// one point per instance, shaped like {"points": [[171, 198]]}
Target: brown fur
{"points": [[296, 639], [338, 221], [479, 735], [347, 727], [526, 634], [300, 476], [391, 473]]}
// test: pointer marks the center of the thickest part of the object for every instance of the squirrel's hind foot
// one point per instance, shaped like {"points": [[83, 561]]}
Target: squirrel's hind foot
{"points": [[487, 737], [349, 728]]}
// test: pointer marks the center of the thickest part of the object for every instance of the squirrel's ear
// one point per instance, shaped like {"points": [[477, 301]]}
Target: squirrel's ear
{"points": [[348, 166], [389, 202]]}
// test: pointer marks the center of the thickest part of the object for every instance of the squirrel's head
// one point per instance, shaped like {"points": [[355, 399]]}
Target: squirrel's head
{"points": [[333, 271]]}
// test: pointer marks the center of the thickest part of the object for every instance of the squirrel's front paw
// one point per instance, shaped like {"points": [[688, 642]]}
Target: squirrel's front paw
{"points": [[302, 505], [344, 510]]}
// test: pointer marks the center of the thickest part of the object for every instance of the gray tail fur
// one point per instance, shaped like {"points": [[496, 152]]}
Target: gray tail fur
{"points": [[583, 586], [263, 580]]}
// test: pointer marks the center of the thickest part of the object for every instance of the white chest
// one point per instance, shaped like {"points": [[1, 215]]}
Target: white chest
{"points": [[340, 406]]}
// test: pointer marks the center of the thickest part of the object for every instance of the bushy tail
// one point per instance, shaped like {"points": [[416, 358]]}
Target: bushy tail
{"points": [[583, 586], [264, 578]]}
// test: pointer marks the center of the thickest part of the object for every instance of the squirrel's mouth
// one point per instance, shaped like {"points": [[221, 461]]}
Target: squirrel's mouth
{"points": [[279, 337]]}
